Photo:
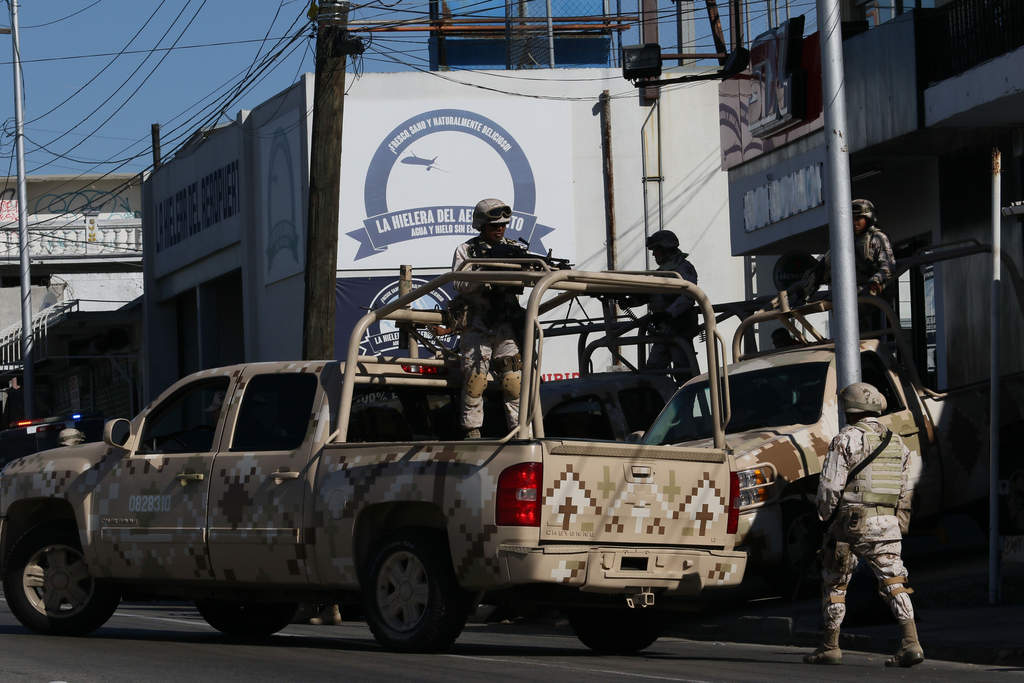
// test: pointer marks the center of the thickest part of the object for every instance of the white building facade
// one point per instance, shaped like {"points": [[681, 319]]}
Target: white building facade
{"points": [[225, 235]]}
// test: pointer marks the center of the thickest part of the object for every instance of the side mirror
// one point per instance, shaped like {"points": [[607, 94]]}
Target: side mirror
{"points": [[116, 432]]}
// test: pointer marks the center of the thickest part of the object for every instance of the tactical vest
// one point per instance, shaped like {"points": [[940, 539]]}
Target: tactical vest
{"points": [[864, 264], [880, 482]]}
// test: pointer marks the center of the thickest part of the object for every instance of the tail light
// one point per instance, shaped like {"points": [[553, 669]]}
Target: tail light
{"points": [[422, 369], [734, 503], [518, 501]]}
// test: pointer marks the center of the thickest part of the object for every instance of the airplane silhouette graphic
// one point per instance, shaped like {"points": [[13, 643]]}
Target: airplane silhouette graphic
{"points": [[414, 160]]}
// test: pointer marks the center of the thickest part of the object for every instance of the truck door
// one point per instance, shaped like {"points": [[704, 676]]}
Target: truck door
{"points": [[152, 504], [262, 478]]}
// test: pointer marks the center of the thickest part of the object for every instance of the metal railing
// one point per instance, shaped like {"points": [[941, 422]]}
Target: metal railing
{"points": [[75, 242], [42, 322], [966, 33]]}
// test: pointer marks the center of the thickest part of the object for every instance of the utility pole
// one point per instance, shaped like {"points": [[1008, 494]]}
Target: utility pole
{"points": [[27, 381], [837, 161], [332, 46]]}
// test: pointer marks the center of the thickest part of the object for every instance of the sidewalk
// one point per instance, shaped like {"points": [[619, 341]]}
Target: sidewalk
{"points": [[954, 620]]}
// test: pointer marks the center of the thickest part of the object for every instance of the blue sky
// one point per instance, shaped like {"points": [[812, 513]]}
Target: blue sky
{"points": [[97, 73]]}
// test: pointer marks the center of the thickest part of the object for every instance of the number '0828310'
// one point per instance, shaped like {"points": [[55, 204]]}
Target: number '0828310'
{"points": [[149, 504]]}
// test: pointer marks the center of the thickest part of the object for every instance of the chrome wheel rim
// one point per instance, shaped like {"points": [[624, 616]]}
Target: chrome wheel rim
{"points": [[402, 591], [56, 581]]}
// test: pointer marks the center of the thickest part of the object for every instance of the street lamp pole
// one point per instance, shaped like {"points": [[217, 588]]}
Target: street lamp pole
{"points": [[27, 382]]}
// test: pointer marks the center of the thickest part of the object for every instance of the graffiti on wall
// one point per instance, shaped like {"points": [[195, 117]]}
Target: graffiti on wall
{"points": [[85, 201]]}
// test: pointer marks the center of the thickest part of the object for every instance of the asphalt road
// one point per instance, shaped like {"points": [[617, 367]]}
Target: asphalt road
{"points": [[170, 642]]}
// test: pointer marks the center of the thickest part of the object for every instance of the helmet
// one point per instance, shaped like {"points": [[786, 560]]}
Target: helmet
{"points": [[71, 436], [864, 207], [490, 211], [665, 239], [861, 397]]}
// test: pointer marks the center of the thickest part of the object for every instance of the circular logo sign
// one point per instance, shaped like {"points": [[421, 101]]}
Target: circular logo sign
{"points": [[790, 268]]}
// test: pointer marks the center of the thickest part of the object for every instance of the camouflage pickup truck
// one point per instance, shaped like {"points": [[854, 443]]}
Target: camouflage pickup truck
{"points": [[783, 416], [252, 488]]}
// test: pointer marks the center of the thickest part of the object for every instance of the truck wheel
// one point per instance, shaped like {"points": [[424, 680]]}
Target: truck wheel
{"points": [[48, 586], [412, 600], [619, 631], [249, 620]]}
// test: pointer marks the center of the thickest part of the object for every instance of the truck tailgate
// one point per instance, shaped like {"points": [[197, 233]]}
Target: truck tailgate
{"points": [[637, 494]]}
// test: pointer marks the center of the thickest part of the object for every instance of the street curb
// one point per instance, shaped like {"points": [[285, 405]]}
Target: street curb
{"points": [[779, 631]]}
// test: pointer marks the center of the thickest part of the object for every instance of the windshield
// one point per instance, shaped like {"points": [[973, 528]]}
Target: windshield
{"points": [[783, 395]]}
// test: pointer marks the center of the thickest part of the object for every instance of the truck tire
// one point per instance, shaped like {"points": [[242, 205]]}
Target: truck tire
{"points": [[412, 600], [246, 620], [618, 631], [48, 586]]}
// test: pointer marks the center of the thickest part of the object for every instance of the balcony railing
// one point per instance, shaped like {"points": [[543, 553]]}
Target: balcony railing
{"points": [[106, 241], [966, 33]]}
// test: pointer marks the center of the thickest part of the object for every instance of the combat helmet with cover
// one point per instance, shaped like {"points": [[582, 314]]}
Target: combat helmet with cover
{"points": [[489, 211], [864, 207], [861, 397], [663, 239]]}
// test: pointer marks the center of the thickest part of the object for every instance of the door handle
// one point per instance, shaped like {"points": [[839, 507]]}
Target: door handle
{"points": [[280, 477], [185, 477]]}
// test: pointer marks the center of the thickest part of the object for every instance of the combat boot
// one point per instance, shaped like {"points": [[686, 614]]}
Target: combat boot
{"points": [[910, 652], [472, 434], [828, 652]]}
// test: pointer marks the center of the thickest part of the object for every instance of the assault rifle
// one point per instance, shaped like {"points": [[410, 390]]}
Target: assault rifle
{"points": [[521, 249]]}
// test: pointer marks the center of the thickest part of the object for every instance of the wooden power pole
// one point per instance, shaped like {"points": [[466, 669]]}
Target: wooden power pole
{"points": [[332, 46]]}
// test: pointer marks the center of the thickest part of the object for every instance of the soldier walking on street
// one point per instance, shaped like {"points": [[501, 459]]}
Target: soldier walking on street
{"points": [[673, 315], [863, 488], [490, 335]]}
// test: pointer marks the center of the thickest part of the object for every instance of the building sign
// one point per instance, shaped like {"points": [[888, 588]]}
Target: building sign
{"points": [[197, 206], [778, 94], [781, 198], [424, 175], [354, 296]]}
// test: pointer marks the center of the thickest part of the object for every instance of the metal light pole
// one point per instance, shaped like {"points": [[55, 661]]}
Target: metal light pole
{"points": [[844, 277], [27, 382], [993, 433]]}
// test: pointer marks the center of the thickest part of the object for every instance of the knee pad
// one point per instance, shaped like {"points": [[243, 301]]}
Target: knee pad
{"points": [[892, 587], [476, 382], [510, 384]]}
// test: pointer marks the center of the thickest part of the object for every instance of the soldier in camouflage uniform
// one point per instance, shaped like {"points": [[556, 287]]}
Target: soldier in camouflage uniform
{"points": [[672, 315], [490, 335], [864, 510], [874, 261]]}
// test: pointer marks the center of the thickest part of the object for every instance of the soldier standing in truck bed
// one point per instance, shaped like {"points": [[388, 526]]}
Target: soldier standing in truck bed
{"points": [[873, 257], [489, 340]]}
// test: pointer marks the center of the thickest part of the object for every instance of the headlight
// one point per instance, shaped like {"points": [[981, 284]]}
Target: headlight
{"points": [[755, 484]]}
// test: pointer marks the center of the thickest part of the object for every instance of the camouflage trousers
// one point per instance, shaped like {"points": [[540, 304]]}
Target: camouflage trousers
{"points": [[478, 348], [839, 559]]}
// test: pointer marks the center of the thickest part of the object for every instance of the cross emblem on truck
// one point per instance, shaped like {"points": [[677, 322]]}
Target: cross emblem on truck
{"points": [[567, 509]]}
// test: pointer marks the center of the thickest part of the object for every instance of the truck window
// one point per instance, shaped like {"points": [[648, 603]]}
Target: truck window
{"points": [[275, 412], [772, 397], [640, 405], [579, 418], [185, 422], [874, 373]]}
